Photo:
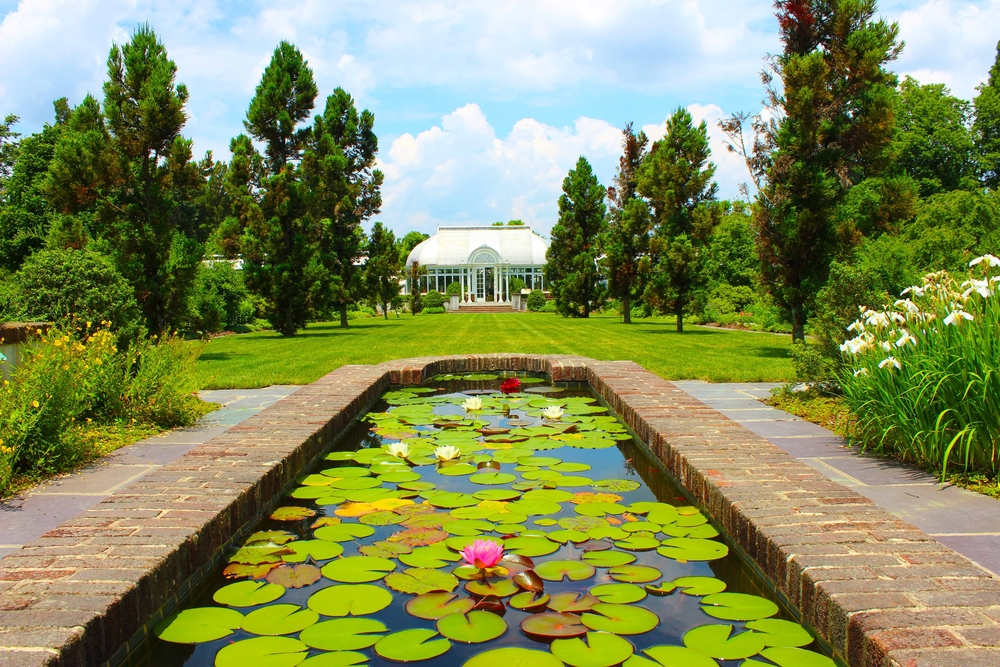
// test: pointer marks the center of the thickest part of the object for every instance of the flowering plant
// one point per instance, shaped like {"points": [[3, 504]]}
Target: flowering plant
{"points": [[510, 385], [483, 554], [398, 449], [552, 412], [447, 452], [473, 404]]}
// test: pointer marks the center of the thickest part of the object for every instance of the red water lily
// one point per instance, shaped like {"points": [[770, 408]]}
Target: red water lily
{"points": [[510, 385]]}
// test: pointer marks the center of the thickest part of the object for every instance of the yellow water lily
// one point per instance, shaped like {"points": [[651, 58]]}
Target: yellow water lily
{"points": [[552, 412], [398, 449], [473, 404], [447, 452]]}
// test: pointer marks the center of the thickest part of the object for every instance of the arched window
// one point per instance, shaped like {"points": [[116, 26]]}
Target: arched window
{"points": [[484, 256]]}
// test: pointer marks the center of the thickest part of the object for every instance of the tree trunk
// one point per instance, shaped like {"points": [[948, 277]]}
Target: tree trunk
{"points": [[627, 309], [798, 326], [289, 329], [385, 310], [343, 316], [679, 314]]}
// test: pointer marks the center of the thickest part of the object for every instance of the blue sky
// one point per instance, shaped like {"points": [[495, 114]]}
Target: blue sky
{"points": [[481, 107]]}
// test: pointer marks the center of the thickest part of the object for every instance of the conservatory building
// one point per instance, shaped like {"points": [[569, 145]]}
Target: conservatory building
{"points": [[483, 260]]}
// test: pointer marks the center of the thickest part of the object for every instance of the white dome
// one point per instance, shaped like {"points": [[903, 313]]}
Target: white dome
{"points": [[460, 246]]}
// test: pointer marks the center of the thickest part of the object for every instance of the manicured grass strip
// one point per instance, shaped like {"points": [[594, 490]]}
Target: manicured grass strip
{"points": [[717, 355]]}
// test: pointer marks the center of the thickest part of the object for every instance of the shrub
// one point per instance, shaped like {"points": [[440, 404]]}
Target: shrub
{"points": [[220, 299], [536, 301], [433, 299], [433, 310], [454, 289], [72, 287], [550, 307], [923, 375], [516, 285], [361, 313]]}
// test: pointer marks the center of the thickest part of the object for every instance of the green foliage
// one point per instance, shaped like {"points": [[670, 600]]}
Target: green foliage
{"points": [[729, 254], [986, 128], [408, 243], [811, 364], [383, 268], [571, 267], [73, 288], [536, 301], [220, 299], [951, 228], [413, 275], [516, 285], [676, 177], [455, 288], [433, 310], [433, 299]]}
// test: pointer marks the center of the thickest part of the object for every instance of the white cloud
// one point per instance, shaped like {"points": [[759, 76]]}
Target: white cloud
{"points": [[460, 171]]}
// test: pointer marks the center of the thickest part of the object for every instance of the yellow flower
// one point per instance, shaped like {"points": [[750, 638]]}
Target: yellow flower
{"points": [[98, 362], [34, 404]]}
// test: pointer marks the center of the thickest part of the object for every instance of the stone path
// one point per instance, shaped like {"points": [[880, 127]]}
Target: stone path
{"points": [[967, 522], [27, 517]]}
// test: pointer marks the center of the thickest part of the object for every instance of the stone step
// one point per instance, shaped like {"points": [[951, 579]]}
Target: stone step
{"points": [[484, 308]]}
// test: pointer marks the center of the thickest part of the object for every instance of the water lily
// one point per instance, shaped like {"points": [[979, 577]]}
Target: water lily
{"points": [[552, 412], [447, 452], [399, 449], [510, 385], [482, 554], [473, 404]]}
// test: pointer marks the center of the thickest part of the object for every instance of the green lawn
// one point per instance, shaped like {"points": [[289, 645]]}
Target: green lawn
{"points": [[265, 358]]}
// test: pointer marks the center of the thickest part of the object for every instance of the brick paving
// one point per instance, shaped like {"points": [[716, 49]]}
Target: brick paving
{"points": [[880, 591]]}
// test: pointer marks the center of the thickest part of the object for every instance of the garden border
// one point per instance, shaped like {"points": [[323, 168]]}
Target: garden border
{"points": [[880, 591]]}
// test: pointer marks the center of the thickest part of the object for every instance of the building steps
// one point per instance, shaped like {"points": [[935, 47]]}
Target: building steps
{"points": [[468, 308]]}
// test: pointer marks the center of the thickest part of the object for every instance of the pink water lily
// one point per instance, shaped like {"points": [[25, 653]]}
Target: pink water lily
{"points": [[482, 554]]}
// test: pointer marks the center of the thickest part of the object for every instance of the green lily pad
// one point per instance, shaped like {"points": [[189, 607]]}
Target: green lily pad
{"points": [[197, 625], [416, 580], [492, 478], [411, 645], [340, 456], [785, 634], [468, 527], [315, 549], [432, 606], [529, 601], [686, 549], [344, 634], [496, 494], [399, 477], [357, 569], [433, 557], [475, 627], [675, 656], [620, 619], [471, 512], [540, 461], [501, 588], [344, 532], [350, 600], [562, 570], [618, 593], [599, 509], [607, 533], [270, 536], [459, 543], [700, 585], [310, 492], [262, 652], [553, 625], [418, 536], [550, 495], [691, 520], [597, 649], [514, 657], [638, 543], [256, 555], [457, 469], [450, 500], [248, 594], [634, 574], [616, 485], [344, 472], [571, 602], [564, 536], [292, 513], [279, 619], [384, 549], [641, 527], [608, 558], [535, 507], [370, 495], [583, 523], [294, 576], [417, 486], [738, 606], [355, 483], [532, 547], [796, 657], [337, 659], [570, 467], [719, 642], [384, 518]]}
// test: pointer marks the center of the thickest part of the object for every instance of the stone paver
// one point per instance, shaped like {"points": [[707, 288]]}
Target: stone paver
{"points": [[36, 512], [967, 522]]}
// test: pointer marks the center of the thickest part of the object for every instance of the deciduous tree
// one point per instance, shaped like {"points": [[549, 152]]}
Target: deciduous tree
{"points": [[986, 128], [382, 268]]}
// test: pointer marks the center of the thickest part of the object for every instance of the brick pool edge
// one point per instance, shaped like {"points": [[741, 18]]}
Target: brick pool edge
{"points": [[878, 590]]}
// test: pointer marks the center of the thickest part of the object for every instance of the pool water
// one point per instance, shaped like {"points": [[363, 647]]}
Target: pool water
{"points": [[605, 563]]}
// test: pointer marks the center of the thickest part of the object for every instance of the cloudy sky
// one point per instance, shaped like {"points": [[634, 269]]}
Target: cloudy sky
{"points": [[480, 107]]}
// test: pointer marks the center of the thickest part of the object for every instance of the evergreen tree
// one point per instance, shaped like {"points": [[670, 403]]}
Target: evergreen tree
{"points": [[676, 178], [828, 126], [382, 268], [414, 272], [986, 128], [571, 268], [627, 238], [8, 151], [338, 167]]}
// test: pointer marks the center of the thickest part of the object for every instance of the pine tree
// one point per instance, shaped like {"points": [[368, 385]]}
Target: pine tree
{"points": [[382, 268], [676, 178], [626, 241], [986, 128], [571, 261]]}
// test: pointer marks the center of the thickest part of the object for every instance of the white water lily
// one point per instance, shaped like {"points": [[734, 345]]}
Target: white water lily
{"points": [[552, 412], [956, 317], [472, 404], [398, 449], [447, 452], [890, 361]]}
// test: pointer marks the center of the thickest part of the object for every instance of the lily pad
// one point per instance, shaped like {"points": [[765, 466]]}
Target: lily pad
{"points": [[620, 619], [350, 600], [616, 485], [501, 588], [553, 625], [262, 652], [357, 569], [270, 536], [564, 536], [677, 656], [492, 478], [570, 466], [383, 518], [719, 642], [355, 483], [618, 593], [700, 585], [315, 549], [597, 649], [796, 657], [279, 619], [634, 574], [292, 513], [535, 507], [638, 543], [432, 606], [248, 594], [529, 601], [599, 509], [457, 469], [686, 549], [344, 634], [337, 659], [562, 570], [551, 495], [418, 537], [738, 606], [344, 532], [514, 657], [416, 580], [584, 497], [475, 627], [383, 549], [197, 625], [451, 500], [434, 557], [294, 576], [240, 571], [468, 527], [412, 645], [531, 547], [497, 494], [572, 602], [608, 558], [776, 632]]}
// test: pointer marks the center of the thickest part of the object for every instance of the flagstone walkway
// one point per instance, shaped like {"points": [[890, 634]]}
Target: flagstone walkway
{"points": [[31, 515], [967, 522]]}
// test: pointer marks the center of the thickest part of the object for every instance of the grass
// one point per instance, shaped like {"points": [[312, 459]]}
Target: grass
{"points": [[717, 355]]}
